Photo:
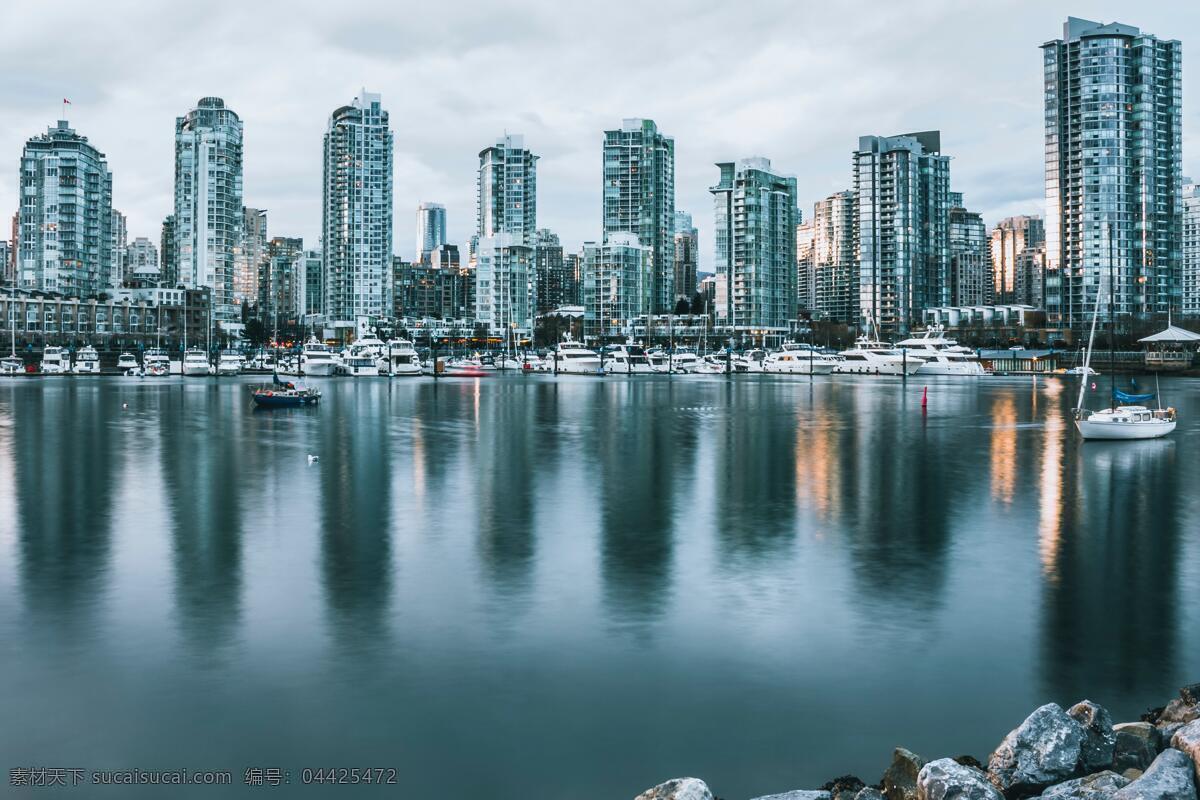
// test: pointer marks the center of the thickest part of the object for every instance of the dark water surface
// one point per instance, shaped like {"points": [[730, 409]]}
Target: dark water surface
{"points": [[530, 588]]}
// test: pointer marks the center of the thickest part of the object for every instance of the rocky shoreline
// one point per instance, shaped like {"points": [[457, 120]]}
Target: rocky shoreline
{"points": [[1076, 754]]}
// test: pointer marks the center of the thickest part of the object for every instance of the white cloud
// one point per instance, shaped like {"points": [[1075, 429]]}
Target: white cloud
{"points": [[798, 82]]}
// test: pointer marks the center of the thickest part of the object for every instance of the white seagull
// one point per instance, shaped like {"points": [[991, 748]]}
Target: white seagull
{"points": [[313, 459]]}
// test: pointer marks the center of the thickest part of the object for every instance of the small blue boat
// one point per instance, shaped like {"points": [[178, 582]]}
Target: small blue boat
{"points": [[285, 394]]}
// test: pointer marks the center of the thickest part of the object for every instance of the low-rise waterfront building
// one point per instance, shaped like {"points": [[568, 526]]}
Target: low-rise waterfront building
{"points": [[130, 319]]}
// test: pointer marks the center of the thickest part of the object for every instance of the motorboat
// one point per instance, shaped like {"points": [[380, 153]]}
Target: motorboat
{"points": [[401, 358], [317, 359], [87, 361], [572, 358], [54, 361], [229, 362], [156, 364], [869, 357], [628, 358], [532, 362], [195, 363], [749, 361], [359, 363], [369, 345], [712, 364], [943, 356], [1081, 370], [128, 366], [799, 360]]}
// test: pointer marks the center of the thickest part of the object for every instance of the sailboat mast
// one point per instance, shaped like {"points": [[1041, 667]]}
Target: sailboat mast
{"points": [[1087, 359], [1112, 325]]}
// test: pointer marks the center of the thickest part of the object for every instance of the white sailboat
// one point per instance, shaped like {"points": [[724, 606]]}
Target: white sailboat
{"points": [[1117, 422]]}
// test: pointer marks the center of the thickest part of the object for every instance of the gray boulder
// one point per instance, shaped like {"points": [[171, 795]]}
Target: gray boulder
{"points": [[1096, 752], [678, 789], [1136, 745], [900, 780], [1168, 778], [797, 794], [1187, 740], [869, 793], [1098, 786], [1191, 694], [946, 779], [1043, 750]]}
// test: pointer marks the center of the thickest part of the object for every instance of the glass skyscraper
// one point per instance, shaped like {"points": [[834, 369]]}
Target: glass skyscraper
{"points": [[639, 198], [507, 184], [1113, 110], [687, 256], [208, 202], [251, 249], [1191, 249], [357, 212], [755, 236], [902, 187], [431, 229], [970, 264], [65, 237]]}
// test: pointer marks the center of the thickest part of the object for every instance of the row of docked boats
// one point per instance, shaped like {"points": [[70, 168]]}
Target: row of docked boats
{"points": [[931, 353]]}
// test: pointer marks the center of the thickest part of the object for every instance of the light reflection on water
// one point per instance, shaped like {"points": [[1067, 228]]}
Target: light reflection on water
{"points": [[531, 587]]}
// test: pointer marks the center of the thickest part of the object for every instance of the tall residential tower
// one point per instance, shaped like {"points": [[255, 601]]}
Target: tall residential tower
{"points": [[1113, 110], [639, 198], [902, 188], [357, 212], [64, 226], [208, 202]]}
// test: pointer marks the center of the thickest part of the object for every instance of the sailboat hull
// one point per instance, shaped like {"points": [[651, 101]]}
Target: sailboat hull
{"points": [[1152, 429]]}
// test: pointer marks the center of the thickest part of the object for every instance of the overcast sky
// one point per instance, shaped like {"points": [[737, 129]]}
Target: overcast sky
{"points": [[794, 80]]}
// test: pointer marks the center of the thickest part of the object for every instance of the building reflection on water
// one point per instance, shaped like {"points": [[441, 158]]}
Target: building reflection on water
{"points": [[355, 517], [64, 474], [638, 458], [206, 462]]}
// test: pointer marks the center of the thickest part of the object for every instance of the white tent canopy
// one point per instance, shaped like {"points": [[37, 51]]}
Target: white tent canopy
{"points": [[1173, 334]]}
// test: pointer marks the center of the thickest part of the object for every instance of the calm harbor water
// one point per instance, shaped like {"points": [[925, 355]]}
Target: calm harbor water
{"points": [[576, 588]]}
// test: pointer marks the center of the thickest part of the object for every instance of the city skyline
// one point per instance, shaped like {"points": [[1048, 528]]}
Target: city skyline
{"points": [[806, 113]]}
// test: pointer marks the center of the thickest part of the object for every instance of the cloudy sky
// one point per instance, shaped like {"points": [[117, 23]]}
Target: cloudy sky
{"points": [[794, 80]]}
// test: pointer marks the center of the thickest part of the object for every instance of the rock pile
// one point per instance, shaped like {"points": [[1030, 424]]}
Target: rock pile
{"points": [[1055, 754]]}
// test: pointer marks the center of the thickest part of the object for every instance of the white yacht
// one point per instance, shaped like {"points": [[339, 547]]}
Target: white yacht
{"points": [[401, 358], [156, 363], [229, 362], [712, 364], [195, 362], [629, 359], [87, 362], [796, 359], [572, 357], [317, 359], [942, 356], [54, 361], [128, 366], [876, 358], [749, 361], [359, 362], [369, 345]]}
